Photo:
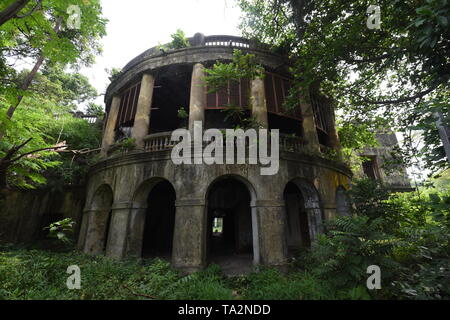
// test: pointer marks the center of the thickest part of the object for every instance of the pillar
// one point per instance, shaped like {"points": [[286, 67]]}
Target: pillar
{"points": [[109, 132], [271, 226], [83, 230], [258, 102], [116, 242], [197, 102], [136, 231], [96, 231], [309, 127], [189, 241], [142, 118]]}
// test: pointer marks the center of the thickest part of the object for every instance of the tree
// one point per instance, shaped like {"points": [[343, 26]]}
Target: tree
{"points": [[395, 76], [45, 119], [41, 31]]}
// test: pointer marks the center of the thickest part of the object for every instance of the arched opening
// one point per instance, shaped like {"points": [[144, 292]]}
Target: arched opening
{"points": [[230, 231], [342, 202], [159, 223], [297, 219], [303, 215], [99, 220]]}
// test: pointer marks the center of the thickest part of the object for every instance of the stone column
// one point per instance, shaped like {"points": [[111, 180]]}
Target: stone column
{"points": [[142, 118], [83, 230], [309, 127], [271, 226], [109, 132], [197, 103], [96, 231], [258, 102], [189, 241], [118, 231], [136, 232]]}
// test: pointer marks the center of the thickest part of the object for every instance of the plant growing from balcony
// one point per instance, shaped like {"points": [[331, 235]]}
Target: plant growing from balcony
{"points": [[183, 115], [243, 66], [179, 40], [126, 145]]}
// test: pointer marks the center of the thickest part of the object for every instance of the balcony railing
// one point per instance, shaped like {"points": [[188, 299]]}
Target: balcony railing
{"points": [[227, 41], [162, 141], [159, 142]]}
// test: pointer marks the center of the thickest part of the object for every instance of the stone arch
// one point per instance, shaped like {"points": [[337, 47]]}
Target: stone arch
{"points": [[311, 205], [342, 202], [99, 215], [140, 212], [244, 214]]}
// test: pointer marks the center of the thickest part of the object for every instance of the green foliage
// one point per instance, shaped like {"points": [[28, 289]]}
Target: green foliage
{"points": [[270, 284], [242, 66], [81, 138], [125, 145], [58, 230], [400, 71], [182, 114], [179, 40], [406, 235], [354, 137], [113, 73], [44, 116], [353, 244], [94, 109]]}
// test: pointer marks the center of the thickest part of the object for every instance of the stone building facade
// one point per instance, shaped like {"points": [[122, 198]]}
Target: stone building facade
{"points": [[139, 203], [380, 163]]}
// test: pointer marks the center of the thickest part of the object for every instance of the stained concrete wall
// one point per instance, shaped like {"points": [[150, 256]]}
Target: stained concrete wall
{"points": [[23, 214], [131, 177]]}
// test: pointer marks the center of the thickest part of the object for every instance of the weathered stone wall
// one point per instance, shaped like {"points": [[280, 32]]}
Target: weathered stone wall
{"points": [[393, 175], [23, 214], [130, 178]]}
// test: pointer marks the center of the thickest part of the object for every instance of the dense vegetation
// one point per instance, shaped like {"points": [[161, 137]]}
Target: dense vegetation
{"points": [[396, 76], [54, 39], [406, 235]]}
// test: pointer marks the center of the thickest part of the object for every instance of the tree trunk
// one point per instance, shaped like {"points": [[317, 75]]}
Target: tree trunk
{"points": [[12, 10]]}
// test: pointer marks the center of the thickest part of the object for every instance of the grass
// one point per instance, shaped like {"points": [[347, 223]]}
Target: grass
{"points": [[31, 273]]}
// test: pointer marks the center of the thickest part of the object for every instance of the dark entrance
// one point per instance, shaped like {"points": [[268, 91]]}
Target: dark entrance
{"points": [[229, 232], [297, 219], [159, 222]]}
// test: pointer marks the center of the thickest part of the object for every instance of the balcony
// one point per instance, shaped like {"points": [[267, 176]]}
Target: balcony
{"points": [[162, 142]]}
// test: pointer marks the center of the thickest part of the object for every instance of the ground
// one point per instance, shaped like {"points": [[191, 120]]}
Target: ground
{"points": [[32, 273]]}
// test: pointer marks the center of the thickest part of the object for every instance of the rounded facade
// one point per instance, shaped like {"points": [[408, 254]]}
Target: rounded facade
{"points": [[140, 203]]}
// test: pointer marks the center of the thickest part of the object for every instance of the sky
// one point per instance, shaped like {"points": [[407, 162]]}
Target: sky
{"points": [[137, 25]]}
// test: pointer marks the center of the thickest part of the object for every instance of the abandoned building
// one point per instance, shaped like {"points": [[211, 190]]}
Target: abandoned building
{"points": [[139, 203], [381, 165]]}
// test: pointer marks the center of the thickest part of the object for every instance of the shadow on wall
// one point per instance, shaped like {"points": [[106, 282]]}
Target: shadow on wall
{"points": [[24, 214]]}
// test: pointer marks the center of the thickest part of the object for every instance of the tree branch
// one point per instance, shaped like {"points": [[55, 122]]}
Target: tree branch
{"points": [[401, 100], [11, 11], [139, 294], [36, 7], [38, 150]]}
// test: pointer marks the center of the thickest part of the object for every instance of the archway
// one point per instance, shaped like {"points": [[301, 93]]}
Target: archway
{"points": [[303, 214], [297, 234], [342, 202], [157, 239], [231, 232], [99, 220]]}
